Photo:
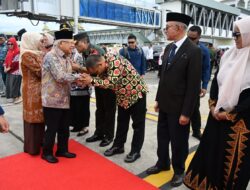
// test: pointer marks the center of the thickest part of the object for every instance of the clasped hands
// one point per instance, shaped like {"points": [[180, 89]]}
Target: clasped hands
{"points": [[84, 79], [219, 115]]}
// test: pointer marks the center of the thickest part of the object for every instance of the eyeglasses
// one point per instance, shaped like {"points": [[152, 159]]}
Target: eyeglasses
{"points": [[236, 34], [131, 42], [168, 26], [9, 44], [69, 42]]}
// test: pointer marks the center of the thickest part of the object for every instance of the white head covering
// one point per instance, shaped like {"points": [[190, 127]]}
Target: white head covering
{"points": [[30, 42], [50, 39], [234, 73]]}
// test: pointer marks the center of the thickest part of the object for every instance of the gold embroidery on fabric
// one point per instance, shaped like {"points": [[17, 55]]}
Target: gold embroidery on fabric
{"points": [[194, 183], [237, 144]]}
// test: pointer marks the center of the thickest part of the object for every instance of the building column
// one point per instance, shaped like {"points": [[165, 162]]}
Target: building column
{"points": [[246, 4]]}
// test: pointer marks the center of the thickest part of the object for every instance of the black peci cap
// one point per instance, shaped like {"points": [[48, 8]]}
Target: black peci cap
{"points": [[63, 34], [178, 17], [81, 36]]}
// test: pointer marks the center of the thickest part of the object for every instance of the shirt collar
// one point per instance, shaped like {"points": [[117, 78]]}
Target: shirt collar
{"points": [[60, 52], [180, 42]]}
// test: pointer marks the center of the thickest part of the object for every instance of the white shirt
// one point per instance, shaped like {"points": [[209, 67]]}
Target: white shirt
{"points": [[179, 43], [150, 53]]}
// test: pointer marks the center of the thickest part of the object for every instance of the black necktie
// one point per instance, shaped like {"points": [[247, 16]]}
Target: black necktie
{"points": [[172, 54]]}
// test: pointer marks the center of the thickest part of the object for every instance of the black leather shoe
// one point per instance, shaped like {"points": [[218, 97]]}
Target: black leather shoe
{"points": [[197, 136], [114, 150], [50, 158], [65, 154], [131, 157], [94, 138], [177, 180], [105, 142], [156, 169]]}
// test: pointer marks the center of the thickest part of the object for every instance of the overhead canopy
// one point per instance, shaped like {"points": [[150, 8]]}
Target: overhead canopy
{"points": [[216, 5]]}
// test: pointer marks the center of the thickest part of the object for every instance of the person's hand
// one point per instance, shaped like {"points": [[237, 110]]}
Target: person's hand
{"points": [[218, 116], [6, 69], [86, 79], [75, 66], [142, 76], [213, 113], [4, 125], [183, 120], [221, 116], [156, 107], [203, 93]]}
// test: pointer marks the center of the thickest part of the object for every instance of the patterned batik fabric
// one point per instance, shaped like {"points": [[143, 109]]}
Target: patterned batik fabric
{"points": [[122, 77], [56, 79]]}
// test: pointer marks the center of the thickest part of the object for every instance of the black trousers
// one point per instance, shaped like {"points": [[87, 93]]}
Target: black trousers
{"points": [[57, 122], [138, 114], [105, 112], [196, 118], [80, 111], [169, 130]]}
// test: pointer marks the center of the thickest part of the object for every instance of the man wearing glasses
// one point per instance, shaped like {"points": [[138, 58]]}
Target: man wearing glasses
{"points": [[176, 97], [135, 55], [194, 34]]}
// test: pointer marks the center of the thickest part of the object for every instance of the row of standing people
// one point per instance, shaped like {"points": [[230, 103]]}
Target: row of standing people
{"points": [[51, 76], [176, 101]]}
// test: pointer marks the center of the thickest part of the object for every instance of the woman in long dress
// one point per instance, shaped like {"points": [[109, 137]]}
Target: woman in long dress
{"points": [[222, 160], [13, 76], [31, 62]]}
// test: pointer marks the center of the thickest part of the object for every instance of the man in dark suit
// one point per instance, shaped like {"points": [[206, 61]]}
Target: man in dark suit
{"points": [[176, 96]]}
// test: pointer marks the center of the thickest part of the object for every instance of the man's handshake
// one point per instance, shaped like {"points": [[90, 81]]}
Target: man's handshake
{"points": [[84, 79]]}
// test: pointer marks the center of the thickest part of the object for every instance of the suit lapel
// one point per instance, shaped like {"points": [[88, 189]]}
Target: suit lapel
{"points": [[179, 53]]}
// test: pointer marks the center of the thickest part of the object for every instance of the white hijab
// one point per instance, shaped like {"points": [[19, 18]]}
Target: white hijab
{"points": [[234, 73], [30, 42]]}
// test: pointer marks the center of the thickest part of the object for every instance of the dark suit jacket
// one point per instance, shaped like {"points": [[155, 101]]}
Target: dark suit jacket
{"points": [[180, 81]]}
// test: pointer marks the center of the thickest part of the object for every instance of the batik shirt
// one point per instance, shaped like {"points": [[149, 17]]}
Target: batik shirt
{"points": [[56, 79], [122, 77]]}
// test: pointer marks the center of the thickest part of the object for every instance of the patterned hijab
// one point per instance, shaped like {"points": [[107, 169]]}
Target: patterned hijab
{"points": [[234, 73]]}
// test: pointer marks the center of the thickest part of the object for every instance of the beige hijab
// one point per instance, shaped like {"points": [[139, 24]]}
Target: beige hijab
{"points": [[50, 39], [30, 42], [234, 73]]}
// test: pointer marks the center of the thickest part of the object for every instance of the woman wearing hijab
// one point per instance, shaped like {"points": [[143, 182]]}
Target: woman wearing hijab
{"points": [[48, 42], [13, 78], [31, 62], [222, 159]]}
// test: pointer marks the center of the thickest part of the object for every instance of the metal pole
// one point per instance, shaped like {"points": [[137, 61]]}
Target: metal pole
{"points": [[76, 14]]}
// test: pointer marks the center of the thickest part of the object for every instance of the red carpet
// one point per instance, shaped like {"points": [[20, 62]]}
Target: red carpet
{"points": [[89, 171]]}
